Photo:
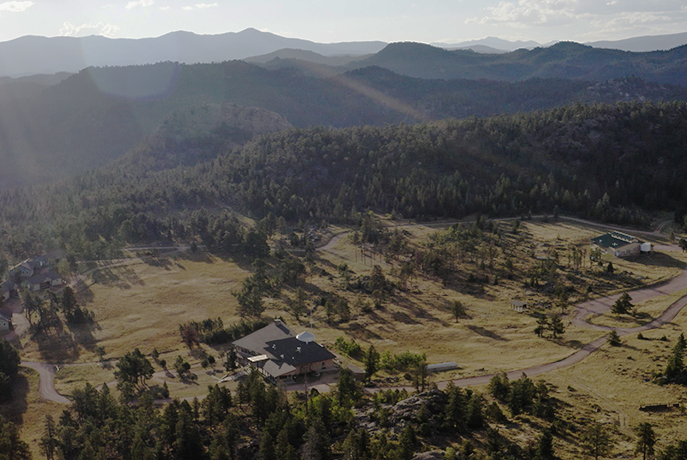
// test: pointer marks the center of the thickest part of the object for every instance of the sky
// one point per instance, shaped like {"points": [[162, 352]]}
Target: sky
{"points": [[429, 21]]}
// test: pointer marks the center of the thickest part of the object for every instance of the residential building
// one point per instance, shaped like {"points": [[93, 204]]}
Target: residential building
{"points": [[278, 354]]}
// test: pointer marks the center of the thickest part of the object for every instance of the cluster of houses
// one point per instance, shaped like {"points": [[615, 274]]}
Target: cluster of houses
{"points": [[279, 354], [33, 275]]}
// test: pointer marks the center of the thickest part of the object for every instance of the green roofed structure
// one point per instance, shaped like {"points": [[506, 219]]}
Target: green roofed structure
{"points": [[621, 244]]}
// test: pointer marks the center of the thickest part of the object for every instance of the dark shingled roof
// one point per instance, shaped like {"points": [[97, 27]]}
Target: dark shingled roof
{"points": [[285, 351], [614, 240], [8, 286], [256, 342], [297, 353]]}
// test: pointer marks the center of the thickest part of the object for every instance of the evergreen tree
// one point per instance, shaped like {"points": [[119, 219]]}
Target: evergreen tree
{"points": [[371, 361], [544, 447], [596, 441], [623, 305], [646, 439]]}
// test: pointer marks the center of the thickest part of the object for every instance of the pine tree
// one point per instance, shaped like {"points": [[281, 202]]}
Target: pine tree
{"points": [[596, 441], [646, 439], [371, 361]]}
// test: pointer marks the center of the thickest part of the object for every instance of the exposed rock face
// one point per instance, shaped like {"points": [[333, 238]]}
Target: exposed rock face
{"points": [[432, 455], [405, 412]]}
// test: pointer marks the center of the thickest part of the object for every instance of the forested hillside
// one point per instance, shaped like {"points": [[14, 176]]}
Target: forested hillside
{"points": [[96, 116], [609, 162], [562, 60]]}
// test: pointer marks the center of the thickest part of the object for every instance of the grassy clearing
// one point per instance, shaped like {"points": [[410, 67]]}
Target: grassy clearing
{"points": [[492, 337], [72, 377], [141, 304], [618, 380]]}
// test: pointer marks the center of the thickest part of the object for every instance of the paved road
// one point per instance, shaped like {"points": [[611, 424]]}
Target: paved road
{"points": [[46, 388], [604, 304]]}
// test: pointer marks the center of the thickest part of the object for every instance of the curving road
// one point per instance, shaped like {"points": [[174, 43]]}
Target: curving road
{"points": [[46, 388]]}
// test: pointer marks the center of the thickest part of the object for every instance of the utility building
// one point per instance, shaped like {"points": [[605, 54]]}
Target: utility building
{"points": [[619, 244]]}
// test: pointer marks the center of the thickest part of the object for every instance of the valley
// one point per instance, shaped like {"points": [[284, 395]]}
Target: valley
{"points": [[341, 251], [142, 300]]}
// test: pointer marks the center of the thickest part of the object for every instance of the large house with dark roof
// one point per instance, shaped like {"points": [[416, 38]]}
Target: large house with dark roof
{"points": [[278, 354], [621, 244]]}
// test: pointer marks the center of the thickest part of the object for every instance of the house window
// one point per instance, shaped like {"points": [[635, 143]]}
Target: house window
{"points": [[324, 366]]}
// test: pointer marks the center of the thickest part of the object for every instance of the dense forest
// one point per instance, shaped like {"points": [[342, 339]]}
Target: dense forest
{"points": [[97, 115], [608, 162]]}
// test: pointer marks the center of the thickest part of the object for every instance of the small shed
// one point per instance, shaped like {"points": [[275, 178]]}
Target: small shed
{"points": [[518, 305], [645, 247]]}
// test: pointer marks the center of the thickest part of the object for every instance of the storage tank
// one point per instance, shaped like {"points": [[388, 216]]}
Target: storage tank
{"points": [[645, 247], [306, 337]]}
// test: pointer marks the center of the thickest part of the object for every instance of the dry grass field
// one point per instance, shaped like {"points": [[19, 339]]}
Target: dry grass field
{"points": [[141, 304]]}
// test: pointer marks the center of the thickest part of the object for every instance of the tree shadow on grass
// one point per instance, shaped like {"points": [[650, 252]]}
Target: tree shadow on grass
{"points": [[416, 310], [486, 333], [84, 295], [658, 259], [200, 256], [359, 331], [57, 347], [403, 317], [157, 261], [120, 277], [574, 344], [83, 334], [14, 409]]}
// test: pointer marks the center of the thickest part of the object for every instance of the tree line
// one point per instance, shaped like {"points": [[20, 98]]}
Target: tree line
{"points": [[607, 162]]}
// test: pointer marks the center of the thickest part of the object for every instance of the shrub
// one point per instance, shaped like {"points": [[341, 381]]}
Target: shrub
{"points": [[351, 348]]}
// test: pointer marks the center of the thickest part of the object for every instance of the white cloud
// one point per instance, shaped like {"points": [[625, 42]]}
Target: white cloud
{"points": [[546, 13], [200, 6], [107, 30], [164, 8], [141, 3], [15, 7]]}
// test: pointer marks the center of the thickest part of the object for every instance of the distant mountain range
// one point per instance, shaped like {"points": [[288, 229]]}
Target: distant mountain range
{"points": [[92, 118], [563, 60], [490, 43], [40, 55], [32, 55], [646, 43]]}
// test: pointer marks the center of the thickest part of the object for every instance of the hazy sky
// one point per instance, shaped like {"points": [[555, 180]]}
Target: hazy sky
{"points": [[352, 20]]}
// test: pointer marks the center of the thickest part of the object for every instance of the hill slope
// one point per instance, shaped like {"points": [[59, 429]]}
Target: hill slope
{"points": [[608, 162], [562, 60], [95, 116]]}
